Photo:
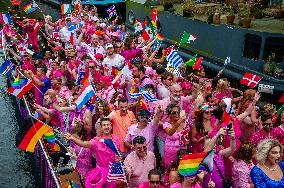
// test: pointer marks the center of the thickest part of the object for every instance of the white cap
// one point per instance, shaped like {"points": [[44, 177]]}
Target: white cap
{"points": [[108, 45]]}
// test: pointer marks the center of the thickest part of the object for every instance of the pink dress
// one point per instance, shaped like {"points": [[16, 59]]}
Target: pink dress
{"points": [[241, 174], [97, 178], [215, 175], [84, 157], [172, 145], [199, 147]]}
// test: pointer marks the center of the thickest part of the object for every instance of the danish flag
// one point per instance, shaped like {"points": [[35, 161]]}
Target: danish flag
{"points": [[250, 80]]}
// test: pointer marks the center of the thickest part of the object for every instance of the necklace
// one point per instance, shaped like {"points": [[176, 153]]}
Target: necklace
{"points": [[270, 169], [122, 120]]}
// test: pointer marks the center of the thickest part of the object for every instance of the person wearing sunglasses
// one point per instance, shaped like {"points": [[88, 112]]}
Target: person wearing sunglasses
{"points": [[267, 125], [173, 129], [139, 162], [154, 180], [142, 128]]}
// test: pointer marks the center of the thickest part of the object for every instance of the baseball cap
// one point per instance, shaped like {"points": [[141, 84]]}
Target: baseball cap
{"points": [[108, 45]]}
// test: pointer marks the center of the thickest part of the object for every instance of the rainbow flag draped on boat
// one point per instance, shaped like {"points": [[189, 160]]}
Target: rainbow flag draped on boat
{"points": [[20, 87], [190, 164]]}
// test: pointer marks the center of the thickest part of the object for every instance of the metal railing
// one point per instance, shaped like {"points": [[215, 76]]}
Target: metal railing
{"points": [[47, 173]]}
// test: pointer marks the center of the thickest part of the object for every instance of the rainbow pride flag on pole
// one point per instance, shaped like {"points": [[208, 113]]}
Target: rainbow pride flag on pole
{"points": [[29, 8], [190, 164], [66, 9]]}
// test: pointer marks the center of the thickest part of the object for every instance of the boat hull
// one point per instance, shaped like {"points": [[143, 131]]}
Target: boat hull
{"points": [[214, 43]]}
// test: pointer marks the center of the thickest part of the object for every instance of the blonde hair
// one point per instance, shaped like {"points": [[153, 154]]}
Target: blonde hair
{"points": [[264, 147]]}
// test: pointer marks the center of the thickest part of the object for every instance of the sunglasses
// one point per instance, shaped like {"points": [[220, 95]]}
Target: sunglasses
{"points": [[175, 113], [155, 182], [267, 124]]}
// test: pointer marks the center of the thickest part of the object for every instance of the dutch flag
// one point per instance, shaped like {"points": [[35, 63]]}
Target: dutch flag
{"points": [[6, 19], [85, 94]]}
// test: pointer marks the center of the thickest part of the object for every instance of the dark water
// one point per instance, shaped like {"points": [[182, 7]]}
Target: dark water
{"points": [[17, 168]]}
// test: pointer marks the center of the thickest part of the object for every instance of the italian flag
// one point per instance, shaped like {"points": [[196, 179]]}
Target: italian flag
{"points": [[66, 9], [186, 38]]}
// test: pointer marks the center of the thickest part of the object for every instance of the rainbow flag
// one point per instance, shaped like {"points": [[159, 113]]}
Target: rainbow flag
{"points": [[190, 164], [29, 8], [160, 37], [73, 185], [31, 136], [50, 138], [20, 87]]}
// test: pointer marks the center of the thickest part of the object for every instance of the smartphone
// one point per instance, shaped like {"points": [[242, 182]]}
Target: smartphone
{"points": [[229, 127]]}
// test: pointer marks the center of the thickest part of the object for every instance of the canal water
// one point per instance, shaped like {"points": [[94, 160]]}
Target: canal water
{"points": [[17, 168]]}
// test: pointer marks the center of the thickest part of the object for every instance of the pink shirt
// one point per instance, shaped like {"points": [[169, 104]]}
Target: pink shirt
{"points": [[259, 136], [278, 133], [174, 140], [148, 132], [138, 168], [241, 174], [104, 155], [147, 185]]}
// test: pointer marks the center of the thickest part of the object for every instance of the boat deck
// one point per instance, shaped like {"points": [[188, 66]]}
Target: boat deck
{"points": [[265, 24]]}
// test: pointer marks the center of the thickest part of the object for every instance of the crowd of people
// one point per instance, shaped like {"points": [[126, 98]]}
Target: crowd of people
{"points": [[150, 135]]}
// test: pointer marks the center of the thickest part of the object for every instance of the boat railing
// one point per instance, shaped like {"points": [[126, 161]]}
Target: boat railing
{"points": [[47, 173]]}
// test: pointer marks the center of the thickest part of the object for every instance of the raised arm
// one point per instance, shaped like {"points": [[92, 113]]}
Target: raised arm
{"points": [[230, 150], [85, 144]]}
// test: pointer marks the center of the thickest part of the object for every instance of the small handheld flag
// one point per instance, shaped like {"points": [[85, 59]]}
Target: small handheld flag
{"points": [[186, 38], [66, 9], [20, 87], [190, 164], [29, 8], [6, 19], [7, 67], [111, 11], [85, 94], [174, 59], [250, 80], [116, 172]]}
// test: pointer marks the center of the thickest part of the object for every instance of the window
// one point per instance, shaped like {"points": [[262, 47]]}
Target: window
{"points": [[274, 45], [252, 45]]}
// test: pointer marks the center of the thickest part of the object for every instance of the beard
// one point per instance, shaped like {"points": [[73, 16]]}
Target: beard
{"points": [[106, 131]]}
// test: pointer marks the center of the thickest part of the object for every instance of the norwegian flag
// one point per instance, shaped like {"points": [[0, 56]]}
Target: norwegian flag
{"points": [[250, 80], [116, 172]]}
